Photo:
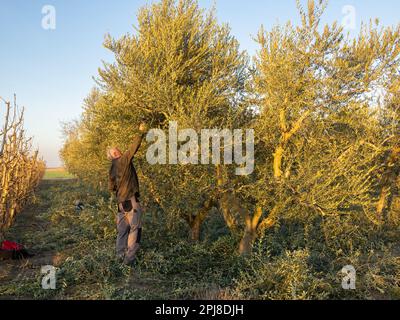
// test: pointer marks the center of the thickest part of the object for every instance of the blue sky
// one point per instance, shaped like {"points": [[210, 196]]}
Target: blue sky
{"points": [[51, 71]]}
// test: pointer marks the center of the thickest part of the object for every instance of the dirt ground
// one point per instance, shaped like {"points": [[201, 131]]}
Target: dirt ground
{"points": [[28, 221]]}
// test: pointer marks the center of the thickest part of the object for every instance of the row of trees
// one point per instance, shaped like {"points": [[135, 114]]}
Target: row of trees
{"points": [[20, 170], [324, 107]]}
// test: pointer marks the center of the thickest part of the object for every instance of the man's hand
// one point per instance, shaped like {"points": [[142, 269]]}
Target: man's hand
{"points": [[137, 141], [143, 128]]}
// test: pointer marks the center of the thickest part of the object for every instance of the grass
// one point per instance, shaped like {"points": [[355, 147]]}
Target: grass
{"points": [[82, 246], [287, 263], [57, 174]]}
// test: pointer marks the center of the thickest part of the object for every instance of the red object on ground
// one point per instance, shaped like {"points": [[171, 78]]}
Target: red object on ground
{"points": [[10, 246]]}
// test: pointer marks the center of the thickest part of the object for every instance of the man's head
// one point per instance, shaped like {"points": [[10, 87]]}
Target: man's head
{"points": [[113, 153]]}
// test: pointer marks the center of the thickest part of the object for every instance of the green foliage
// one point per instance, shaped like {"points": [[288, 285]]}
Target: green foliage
{"points": [[324, 193], [180, 65]]}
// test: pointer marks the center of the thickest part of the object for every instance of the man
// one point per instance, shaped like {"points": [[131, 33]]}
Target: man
{"points": [[123, 180]]}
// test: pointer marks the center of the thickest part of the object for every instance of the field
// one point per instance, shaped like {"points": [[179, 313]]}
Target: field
{"points": [[57, 174], [304, 205], [81, 245]]}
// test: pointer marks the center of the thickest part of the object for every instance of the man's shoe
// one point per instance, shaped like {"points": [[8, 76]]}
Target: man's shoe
{"points": [[130, 263]]}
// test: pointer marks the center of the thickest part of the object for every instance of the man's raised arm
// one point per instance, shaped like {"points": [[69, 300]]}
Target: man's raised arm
{"points": [[137, 141]]}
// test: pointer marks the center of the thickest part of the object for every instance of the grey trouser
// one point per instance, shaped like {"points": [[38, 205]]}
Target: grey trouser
{"points": [[129, 226]]}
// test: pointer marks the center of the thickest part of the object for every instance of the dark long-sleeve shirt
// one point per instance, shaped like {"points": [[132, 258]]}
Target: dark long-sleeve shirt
{"points": [[123, 178]]}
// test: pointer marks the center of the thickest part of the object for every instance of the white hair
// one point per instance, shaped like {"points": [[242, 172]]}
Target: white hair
{"points": [[109, 153]]}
